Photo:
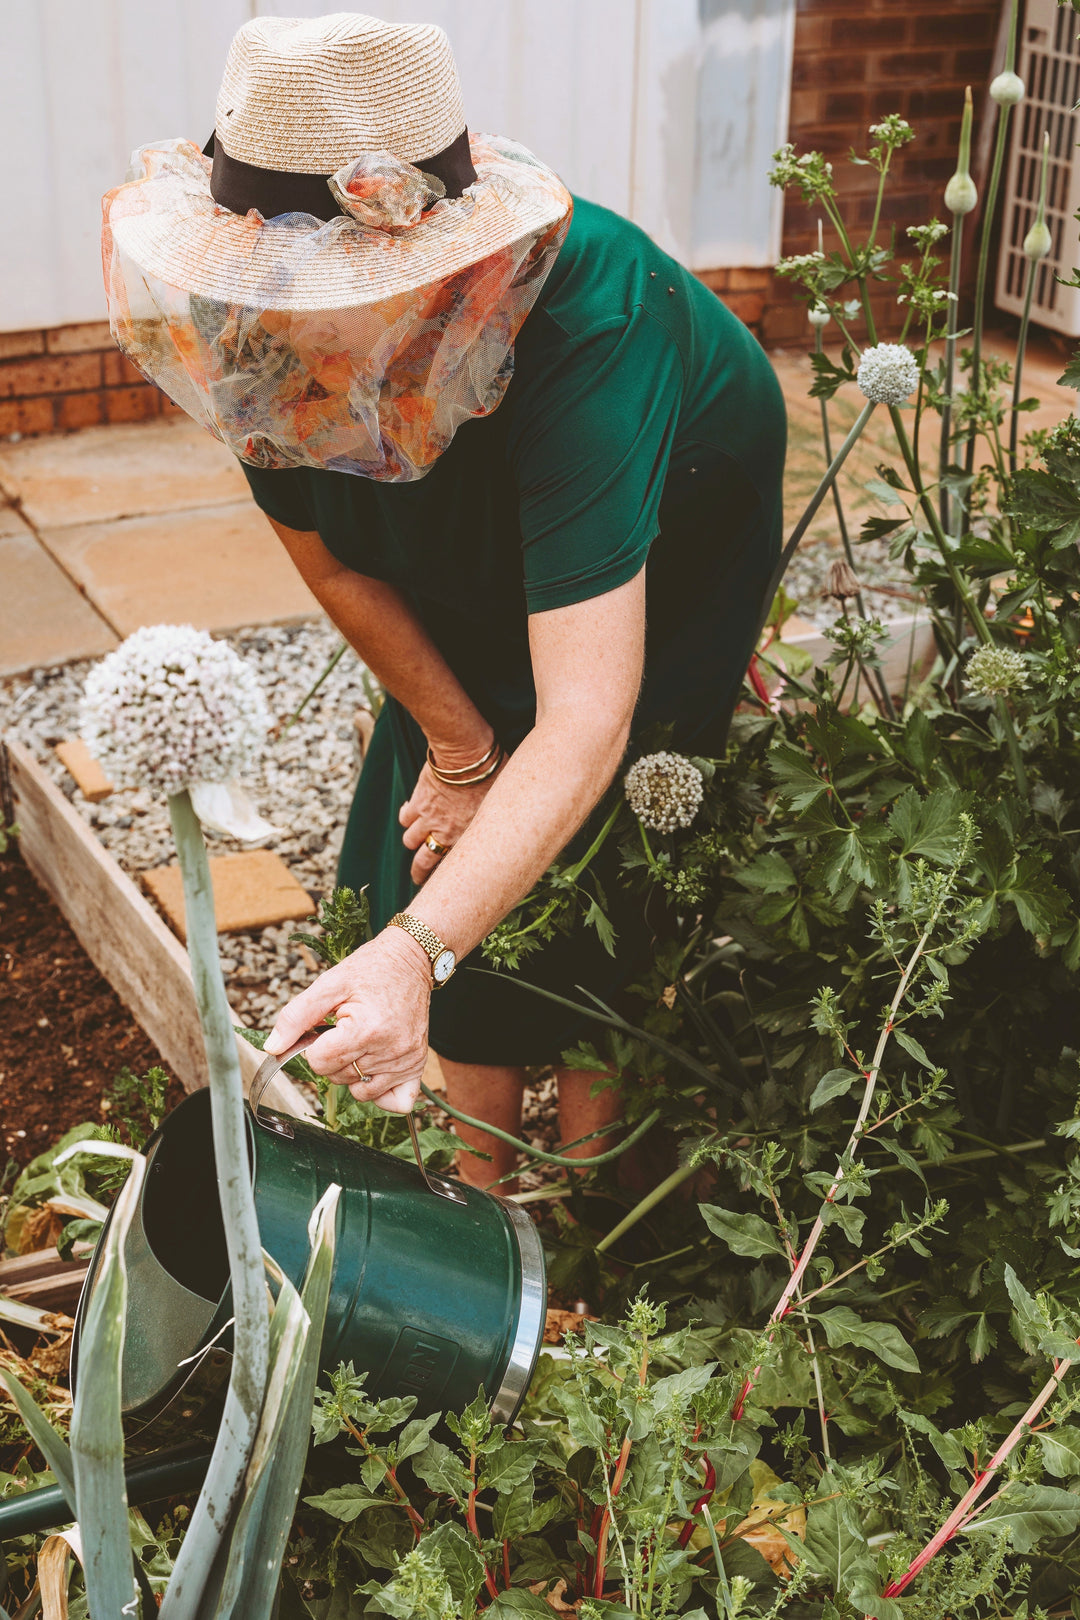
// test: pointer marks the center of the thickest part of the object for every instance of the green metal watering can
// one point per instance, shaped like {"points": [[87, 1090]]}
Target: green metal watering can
{"points": [[438, 1288]]}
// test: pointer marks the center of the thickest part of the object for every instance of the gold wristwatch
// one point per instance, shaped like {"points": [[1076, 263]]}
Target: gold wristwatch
{"points": [[443, 960]]}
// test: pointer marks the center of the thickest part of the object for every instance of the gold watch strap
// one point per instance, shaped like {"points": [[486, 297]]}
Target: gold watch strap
{"points": [[425, 936]]}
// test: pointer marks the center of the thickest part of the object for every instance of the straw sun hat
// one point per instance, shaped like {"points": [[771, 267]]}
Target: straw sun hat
{"points": [[338, 278]]}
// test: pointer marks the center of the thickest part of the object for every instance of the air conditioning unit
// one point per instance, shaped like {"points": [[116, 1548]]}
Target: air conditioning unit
{"points": [[1050, 68]]}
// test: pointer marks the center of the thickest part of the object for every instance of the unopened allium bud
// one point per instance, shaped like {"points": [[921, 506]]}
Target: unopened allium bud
{"points": [[994, 669], [1007, 89], [172, 707], [664, 791], [888, 373], [961, 193], [841, 581], [1038, 241], [818, 315]]}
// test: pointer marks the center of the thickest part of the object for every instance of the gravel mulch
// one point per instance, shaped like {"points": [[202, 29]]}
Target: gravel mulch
{"points": [[304, 786]]}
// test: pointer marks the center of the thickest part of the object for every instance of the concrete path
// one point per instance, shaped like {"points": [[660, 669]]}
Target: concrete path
{"points": [[110, 528]]}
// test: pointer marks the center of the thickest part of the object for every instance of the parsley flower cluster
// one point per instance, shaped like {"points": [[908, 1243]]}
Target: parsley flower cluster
{"points": [[172, 707], [664, 791], [888, 373]]}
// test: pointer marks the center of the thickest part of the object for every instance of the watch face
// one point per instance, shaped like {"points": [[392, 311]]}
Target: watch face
{"points": [[443, 965]]}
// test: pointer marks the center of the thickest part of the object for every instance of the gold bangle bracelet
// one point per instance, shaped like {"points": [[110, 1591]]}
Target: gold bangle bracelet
{"points": [[469, 781], [462, 770]]}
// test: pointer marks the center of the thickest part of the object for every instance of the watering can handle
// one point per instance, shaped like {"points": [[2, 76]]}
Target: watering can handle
{"points": [[268, 1068], [441, 1186]]}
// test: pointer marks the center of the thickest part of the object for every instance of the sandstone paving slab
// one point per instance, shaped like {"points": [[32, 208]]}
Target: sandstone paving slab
{"points": [[251, 890], [44, 618], [123, 470], [217, 567], [84, 769]]}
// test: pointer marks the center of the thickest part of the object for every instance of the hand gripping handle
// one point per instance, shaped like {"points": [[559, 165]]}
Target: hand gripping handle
{"points": [[441, 1186]]}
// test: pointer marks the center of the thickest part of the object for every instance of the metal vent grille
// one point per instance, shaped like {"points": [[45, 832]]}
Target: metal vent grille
{"points": [[1050, 68]]}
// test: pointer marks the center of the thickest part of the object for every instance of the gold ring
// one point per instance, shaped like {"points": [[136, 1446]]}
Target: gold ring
{"points": [[360, 1075], [435, 847]]}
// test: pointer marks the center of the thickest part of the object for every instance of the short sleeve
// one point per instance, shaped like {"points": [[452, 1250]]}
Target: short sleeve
{"points": [[590, 458], [279, 492]]}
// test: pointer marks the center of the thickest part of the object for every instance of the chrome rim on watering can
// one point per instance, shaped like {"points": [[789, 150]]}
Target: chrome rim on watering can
{"points": [[438, 1288]]}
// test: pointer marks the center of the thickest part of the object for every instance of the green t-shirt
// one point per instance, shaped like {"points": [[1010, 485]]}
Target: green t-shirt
{"points": [[642, 422]]}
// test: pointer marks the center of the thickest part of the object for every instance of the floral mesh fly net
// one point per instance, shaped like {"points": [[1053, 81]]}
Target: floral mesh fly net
{"points": [[359, 344]]}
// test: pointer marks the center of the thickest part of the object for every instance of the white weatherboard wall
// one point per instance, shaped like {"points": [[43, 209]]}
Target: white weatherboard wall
{"points": [[665, 110]]}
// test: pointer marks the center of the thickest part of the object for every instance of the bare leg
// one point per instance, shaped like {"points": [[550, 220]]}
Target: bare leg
{"points": [[493, 1093], [579, 1114]]}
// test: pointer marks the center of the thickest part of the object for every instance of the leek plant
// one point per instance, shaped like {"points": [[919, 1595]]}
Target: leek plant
{"points": [[178, 711]]}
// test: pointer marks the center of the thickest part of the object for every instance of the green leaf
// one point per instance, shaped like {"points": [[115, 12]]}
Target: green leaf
{"points": [[913, 1048], [1030, 1514], [460, 1558], [769, 872], [511, 1463], [1040, 904], [948, 1448], [512, 1513], [442, 1471], [837, 1083], [345, 1502], [884, 1340], [53, 1447], [415, 1436], [835, 1547], [1061, 1451], [747, 1235], [797, 776], [275, 1471], [518, 1600], [97, 1434], [1070, 377]]}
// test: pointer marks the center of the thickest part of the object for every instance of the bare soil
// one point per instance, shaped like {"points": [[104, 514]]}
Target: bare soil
{"points": [[64, 1033]]}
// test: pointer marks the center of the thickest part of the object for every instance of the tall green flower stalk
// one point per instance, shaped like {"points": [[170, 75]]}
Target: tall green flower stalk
{"points": [[175, 710], [1037, 244], [960, 198], [1006, 91], [247, 1383], [819, 316]]}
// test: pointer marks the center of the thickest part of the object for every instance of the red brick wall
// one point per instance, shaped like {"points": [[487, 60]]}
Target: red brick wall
{"points": [[855, 61], [70, 377]]}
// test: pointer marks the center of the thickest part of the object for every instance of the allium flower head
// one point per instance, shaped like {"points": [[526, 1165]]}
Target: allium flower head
{"points": [[1007, 89], [888, 373], [170, 708], [664, 791], [994, 669]]}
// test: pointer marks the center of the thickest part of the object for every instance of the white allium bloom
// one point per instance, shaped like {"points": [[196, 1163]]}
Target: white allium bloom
{"points": [[664, 791], [888, 373], [994, 669], [171, 708], [818, 315]]}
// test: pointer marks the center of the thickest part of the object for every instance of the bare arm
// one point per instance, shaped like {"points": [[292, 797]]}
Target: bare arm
{"points": [[587, 664], [378, 622]]}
